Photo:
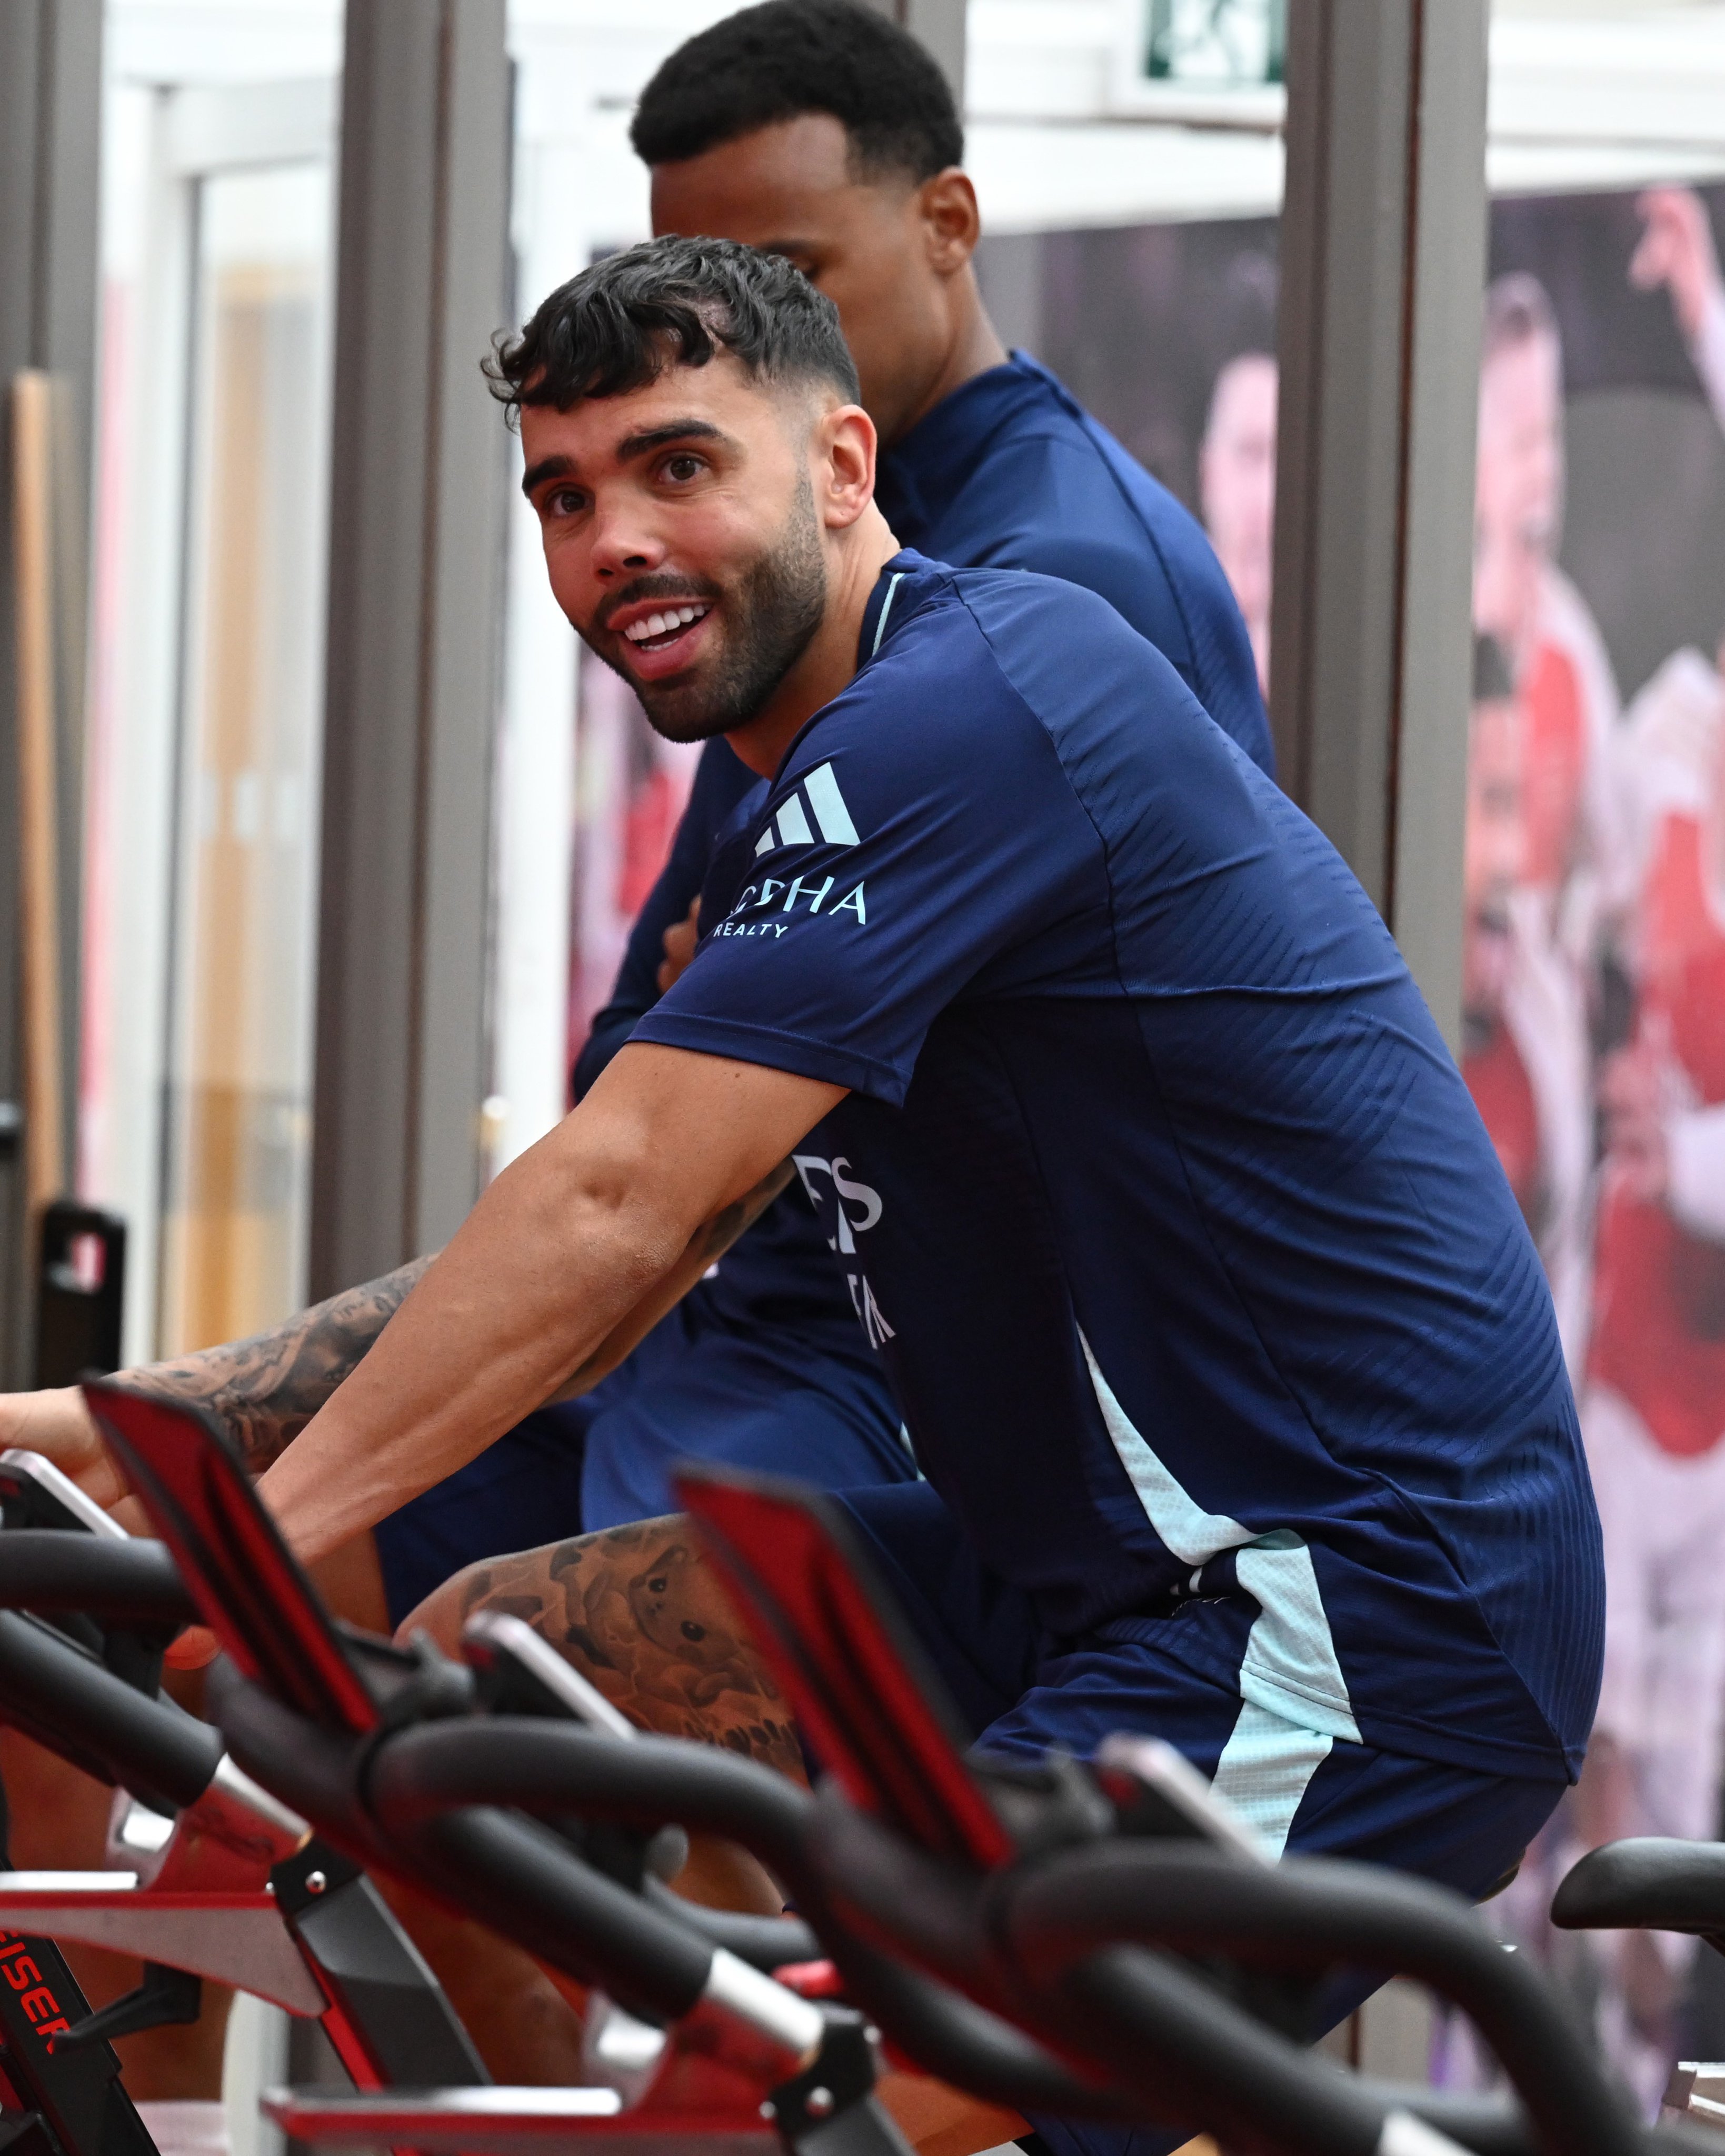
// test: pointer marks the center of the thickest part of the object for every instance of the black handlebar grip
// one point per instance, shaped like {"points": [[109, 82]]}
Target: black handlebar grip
{"points": [[1647, 1884], [539, 1765], [766, 1942], [419, 1774], [55, 1689], [1204, 2063], [510, 1872], [515, 1875], [307, 1765], [1302, 1912], [959, 2041], [120, 1582]]}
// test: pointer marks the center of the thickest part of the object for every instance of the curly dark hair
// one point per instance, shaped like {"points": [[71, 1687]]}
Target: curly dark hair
{"points": [[672, 302], [777, 62]]}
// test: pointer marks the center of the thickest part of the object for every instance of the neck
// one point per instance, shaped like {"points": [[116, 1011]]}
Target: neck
{"points": [[974, 348], [830, 661]]}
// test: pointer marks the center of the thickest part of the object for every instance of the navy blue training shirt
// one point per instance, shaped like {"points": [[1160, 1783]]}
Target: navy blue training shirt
{"points": [[1180, 1241], [1010, 472]]}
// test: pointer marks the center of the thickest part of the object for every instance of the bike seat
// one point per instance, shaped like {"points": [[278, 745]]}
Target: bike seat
{"points": [[1651, 1885]]}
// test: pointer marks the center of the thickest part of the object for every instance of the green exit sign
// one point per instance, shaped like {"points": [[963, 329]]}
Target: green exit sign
{"points": [[1214, 44]]}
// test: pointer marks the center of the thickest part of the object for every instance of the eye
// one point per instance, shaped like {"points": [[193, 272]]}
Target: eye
{"points": [[683, 466], [810, 266], [563, 501]]}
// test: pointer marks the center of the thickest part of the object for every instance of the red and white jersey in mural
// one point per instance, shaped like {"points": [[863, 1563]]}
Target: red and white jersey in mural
{"points": [[1659, 1327]]}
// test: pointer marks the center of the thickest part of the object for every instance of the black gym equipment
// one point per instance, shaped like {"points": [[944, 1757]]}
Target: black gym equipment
{"points": [[311, 1709], [1654, 1884], [1100, 1942], [285, 1918]]}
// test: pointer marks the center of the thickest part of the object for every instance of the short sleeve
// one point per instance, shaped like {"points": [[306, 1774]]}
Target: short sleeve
{"points": [[922, 834], [721, 784]]}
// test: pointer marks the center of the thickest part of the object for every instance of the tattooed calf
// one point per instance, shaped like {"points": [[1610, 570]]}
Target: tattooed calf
{"points": [[640, 1612]]}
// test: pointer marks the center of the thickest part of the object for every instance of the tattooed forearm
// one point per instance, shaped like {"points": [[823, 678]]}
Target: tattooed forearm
{"points": [[642, 1614], [265, 1390]]}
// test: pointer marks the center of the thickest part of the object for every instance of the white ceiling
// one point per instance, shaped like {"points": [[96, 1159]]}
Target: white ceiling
{"points": [[1584, 93]]}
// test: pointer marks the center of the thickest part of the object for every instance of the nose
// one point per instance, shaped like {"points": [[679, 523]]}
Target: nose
{"points": [[621, 547]]}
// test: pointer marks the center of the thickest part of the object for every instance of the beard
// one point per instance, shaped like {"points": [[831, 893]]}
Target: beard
{"points": [[770, 615]]}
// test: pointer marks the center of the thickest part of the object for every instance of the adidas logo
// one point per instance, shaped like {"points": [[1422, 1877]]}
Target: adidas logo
{"points": [[825, 806]]}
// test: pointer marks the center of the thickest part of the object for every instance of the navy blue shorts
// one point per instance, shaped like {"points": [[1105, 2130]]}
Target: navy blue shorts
{"points": [[1021, 1691], [802, 1398]]}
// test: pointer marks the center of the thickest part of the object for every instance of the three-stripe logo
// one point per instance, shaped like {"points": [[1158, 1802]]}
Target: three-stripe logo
{"points": [[818, 799]]}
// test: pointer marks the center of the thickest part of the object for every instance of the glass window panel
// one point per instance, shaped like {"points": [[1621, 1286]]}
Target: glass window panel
{"points": [[238, 1094], [218, 145]]}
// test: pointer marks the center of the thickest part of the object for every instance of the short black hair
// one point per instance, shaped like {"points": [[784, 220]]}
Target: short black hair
{"points": [[672, 302], [774, 63]]}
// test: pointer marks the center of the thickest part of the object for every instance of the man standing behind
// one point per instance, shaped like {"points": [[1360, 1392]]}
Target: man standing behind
{"points": [[817, 130]]}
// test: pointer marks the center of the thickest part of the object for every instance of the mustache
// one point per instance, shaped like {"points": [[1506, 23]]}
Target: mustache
{"points": [[660, 584]]}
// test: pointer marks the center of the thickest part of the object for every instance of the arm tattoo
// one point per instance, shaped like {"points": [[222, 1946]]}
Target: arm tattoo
{"points": [[265, 1390], [708, 1243], [722, 1230], [641, 1614]]}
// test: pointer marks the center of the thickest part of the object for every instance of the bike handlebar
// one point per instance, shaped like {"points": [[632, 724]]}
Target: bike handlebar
{"points": [[543, 1766], [511, 1873], [515, 1874], [1299, 1915], [537, 1764], [1650, 1883], [1065, 1937], [64, 1699], [121, 1583], [434, 1789], [768, 1942]]}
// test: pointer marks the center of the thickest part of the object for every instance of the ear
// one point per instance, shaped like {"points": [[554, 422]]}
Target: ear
{"points": [[951, 222], [844, 446]]}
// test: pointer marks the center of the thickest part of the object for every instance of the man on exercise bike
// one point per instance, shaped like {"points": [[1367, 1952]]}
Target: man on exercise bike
{"points": [[1214, 1319], [819, 131]]}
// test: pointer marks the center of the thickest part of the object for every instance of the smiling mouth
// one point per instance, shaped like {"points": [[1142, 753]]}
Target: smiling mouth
{"points": [[658, 632]]}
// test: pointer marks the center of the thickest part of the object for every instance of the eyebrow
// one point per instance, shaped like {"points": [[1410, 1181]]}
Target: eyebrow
{"points": [[630, 447], [546, 468], [674, 430]]}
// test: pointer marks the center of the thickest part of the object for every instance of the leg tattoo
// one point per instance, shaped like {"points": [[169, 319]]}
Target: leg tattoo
{"points": [[641, 1614]]}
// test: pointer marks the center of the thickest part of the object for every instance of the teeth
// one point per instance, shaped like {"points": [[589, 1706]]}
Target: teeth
{"points": [[660, 624]]}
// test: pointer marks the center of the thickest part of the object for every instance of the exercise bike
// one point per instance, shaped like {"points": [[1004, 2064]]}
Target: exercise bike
{"points": [[209, 1876], [1103, 1944]]}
